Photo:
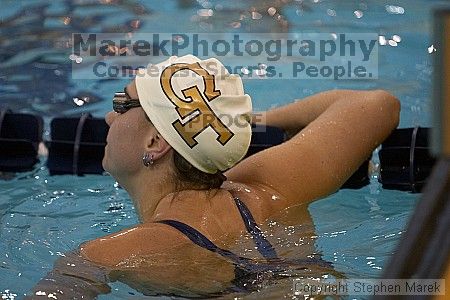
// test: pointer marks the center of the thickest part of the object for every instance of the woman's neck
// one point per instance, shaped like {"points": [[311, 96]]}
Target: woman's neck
{"points": [[149, 187], [147, 190]]}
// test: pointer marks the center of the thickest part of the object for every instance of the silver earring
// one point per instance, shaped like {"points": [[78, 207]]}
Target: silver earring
{"points": [[147, 159]]}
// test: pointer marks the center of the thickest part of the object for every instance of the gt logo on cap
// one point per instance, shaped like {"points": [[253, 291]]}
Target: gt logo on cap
{"points": [[194, 103]]}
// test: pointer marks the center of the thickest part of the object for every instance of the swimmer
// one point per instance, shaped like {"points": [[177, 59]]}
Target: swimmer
{"points": [[176, 144]]}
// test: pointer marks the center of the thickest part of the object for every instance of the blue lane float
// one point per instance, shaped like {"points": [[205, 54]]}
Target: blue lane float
{"points": [[405, 159], [20, 135], [77, 147]]}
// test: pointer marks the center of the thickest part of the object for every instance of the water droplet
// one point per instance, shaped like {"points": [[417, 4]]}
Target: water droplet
{"points": [[205, 12], [392, 43], [396, 10], [431, 49], [272, 11], [256, 15], [331, 12], [135, 24], [262, 66], [178, 38], [359, 14], [245, 71], [66, 20], [382, 40], [51, 296], [78, 101], [396, 38], [260, 72]]}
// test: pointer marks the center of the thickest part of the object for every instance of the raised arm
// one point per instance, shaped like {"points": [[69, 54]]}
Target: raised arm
{"points": [[332, 132]]}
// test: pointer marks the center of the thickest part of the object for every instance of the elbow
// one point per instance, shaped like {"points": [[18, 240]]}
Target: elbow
{"points": [[389, 107]]}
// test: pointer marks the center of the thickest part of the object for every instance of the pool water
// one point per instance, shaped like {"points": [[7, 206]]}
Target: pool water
{"points": [[44, 216]]}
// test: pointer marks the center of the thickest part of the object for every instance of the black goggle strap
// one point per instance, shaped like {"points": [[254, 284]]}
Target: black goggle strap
{"points": [[122, 102]]}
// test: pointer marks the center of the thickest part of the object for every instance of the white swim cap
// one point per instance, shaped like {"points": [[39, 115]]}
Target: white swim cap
{"points": [[199, 108]]}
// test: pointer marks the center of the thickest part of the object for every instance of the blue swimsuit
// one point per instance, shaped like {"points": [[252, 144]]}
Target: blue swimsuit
{"points": [[246, 270]]}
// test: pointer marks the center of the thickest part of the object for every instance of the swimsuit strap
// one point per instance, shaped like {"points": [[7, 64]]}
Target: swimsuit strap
{"points": [[246, 271], [199, 239], [243, 267], [262, 244]]}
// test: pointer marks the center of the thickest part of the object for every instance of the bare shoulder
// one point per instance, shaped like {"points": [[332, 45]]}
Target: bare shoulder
{"points": [[155, 257], [143, 239], [217, 215], [262, 200]]}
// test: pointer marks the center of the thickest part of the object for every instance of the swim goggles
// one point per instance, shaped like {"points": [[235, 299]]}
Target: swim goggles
{"points": [[122, 102]]}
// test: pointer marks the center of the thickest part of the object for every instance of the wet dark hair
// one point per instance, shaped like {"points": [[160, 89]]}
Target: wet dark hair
{"points": [[191, 176], [187, 173]]}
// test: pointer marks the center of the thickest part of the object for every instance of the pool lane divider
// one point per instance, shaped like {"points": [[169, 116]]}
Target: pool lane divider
{"points": [[20, 136], [405, 159], [77, 146]]}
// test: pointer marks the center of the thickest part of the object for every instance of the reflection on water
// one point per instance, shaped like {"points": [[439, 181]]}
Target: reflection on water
{"points": [[35, 46], [35, 40], [42, 216]]}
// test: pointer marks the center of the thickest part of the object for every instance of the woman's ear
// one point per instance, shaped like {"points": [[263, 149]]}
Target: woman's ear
{"points": [[157, 146]]}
